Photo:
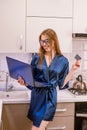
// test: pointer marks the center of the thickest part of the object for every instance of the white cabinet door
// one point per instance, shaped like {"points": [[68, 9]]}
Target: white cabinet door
{"points": [[12, 25], [49, 8], [80, 16], [35, 26]]}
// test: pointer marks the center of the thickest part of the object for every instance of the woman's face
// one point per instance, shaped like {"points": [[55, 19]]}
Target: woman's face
{"points": [[45, 42]]}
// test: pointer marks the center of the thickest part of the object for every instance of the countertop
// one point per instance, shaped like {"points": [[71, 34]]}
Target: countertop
{"points": [[67, 96], [24, 96]]}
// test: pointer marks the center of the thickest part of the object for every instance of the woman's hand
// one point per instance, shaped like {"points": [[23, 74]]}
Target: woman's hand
{"points": [[21, 81], [76, 65]]}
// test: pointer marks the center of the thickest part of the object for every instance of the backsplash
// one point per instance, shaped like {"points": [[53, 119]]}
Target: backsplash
{"points": [[79, 46], [25, 57]]}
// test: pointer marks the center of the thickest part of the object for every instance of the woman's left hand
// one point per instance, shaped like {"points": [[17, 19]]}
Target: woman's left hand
{"points": [[76, 65], [21, 80]]}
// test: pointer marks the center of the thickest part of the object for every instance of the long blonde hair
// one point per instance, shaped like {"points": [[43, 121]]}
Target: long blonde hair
{"points": [[52, 36]]}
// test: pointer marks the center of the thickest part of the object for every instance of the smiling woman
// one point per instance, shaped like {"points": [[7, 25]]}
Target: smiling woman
{"points": [[51, 67], [49, 45]]}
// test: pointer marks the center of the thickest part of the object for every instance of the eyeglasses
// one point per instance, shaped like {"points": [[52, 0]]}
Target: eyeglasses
{"points": [[46, 41]]}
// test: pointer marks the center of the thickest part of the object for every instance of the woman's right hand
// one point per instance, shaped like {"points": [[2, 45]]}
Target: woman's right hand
{"points": [[21, 81]]}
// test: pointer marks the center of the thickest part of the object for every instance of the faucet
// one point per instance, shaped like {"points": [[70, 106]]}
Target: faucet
{"points": [[7, 76], [8, 87]]}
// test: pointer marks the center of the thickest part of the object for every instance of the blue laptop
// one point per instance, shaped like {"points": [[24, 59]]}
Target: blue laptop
{"points": [[18, 68]]}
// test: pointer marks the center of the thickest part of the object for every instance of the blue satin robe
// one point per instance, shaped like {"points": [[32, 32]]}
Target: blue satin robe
{"points": [[44, 99]]}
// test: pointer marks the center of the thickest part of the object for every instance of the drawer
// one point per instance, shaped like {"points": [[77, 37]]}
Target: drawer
{"points": [[64, 109], [61, 123]]}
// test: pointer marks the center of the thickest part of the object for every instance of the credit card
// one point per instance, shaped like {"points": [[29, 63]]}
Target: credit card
{"points": [[77, 57]]}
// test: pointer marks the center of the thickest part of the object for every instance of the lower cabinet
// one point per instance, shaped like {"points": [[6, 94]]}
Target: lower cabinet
{"points": [[14, 117], [1, 128], [64, 117]]}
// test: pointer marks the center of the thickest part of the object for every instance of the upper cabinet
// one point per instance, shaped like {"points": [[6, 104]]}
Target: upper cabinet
{"points": [[79, 16], [35, 25], [55, 14], [49, 8], [21, 22], [12, 25]]}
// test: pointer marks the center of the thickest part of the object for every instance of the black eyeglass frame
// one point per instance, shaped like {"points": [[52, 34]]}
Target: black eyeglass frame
{"points": [[46, 41]]}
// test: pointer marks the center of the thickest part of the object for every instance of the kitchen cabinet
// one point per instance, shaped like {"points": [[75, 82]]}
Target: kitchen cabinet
{"points": [[79, 16], [12, 25], [35, 25], [16, 17], [49, 8], [64, 117], [14, 117], [55, 14], [1, 128]]}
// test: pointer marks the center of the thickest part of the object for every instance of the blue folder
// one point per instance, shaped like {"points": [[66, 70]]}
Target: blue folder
{"points": [[17, 68]]}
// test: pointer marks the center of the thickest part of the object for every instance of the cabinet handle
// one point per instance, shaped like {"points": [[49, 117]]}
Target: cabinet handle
{"points": [[57, 128], [20, 47], [21, 42], [61, 110], [81, 115]]}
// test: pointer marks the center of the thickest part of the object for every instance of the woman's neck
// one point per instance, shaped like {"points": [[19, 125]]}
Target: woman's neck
{"points": [[49, 56]]}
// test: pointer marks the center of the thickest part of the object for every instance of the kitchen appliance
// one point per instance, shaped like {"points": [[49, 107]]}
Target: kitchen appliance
{"points": [[79, 35], [81, 116], [78, 87], [77, 92]]}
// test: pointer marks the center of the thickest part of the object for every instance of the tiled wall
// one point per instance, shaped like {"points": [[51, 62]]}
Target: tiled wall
{"points": [[25, 57], [79, 46]]}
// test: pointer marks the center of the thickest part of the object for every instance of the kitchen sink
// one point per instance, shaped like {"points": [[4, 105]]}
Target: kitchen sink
{"points": [[14, 86], [14, 95], [14, 91]]}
